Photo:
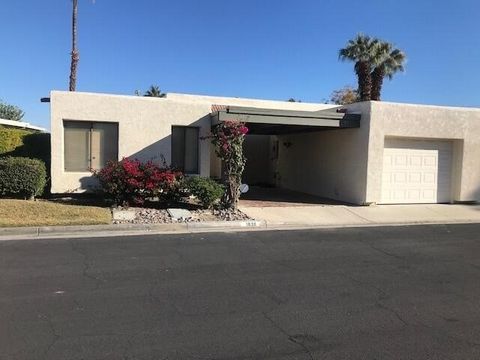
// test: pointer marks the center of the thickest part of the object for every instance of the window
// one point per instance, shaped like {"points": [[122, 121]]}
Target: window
{"points": [[185, 149], [89, 145]]}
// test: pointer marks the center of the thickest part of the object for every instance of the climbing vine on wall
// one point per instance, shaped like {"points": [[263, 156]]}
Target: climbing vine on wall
{"points": [[228, 137]]}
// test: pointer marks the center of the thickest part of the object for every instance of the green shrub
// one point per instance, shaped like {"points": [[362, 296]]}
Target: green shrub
{"points": [[10, 139], [206, 190], [19, 142], [21, 177], [24, 143], [36, 146]]}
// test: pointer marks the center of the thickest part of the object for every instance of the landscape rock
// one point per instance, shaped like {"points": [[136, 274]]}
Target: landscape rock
{"points": [[162, 216]]}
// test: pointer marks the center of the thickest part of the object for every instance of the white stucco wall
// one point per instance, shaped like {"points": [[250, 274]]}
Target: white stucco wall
{"points": [[343, 164], [331, 163], [459, 125], [144, 125], [347, 165]]}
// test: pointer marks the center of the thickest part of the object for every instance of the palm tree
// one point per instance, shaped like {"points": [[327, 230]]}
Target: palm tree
{"points": [[75, 54], [361, 50], [154, 91], [388, 62]]}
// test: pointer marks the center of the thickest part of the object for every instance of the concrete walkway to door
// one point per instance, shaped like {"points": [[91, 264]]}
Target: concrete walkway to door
{"points": [[286, 208]]}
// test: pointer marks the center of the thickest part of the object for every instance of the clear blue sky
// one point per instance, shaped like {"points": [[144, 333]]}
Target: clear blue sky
{"points": [[272, 49]]}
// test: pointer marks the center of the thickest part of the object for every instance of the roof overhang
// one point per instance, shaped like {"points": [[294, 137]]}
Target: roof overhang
{"points": [[274, 122], [20, 125]]}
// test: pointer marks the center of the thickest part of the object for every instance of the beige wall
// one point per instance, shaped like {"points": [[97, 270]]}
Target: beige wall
{"points": [[330, 163], [343, 164], [144, 126], [347, 165], [460, 125]]}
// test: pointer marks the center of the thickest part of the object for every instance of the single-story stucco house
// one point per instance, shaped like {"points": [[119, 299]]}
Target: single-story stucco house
{"points": [[364, 153]]}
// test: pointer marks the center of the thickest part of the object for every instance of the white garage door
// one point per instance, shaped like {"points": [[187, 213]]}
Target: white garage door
{"points": [[416, 171]]}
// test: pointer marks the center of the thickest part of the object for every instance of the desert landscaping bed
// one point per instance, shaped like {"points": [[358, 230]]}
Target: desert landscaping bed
{"points": [[162, 216]]}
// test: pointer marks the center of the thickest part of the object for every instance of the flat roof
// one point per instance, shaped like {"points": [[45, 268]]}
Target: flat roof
{"points": [[276, 121], [21, 125]]}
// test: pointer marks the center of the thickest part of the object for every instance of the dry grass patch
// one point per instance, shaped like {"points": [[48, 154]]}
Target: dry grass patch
{"points": [[45, 213]]}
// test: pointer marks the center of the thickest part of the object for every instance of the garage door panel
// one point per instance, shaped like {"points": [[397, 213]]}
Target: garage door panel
{"points": [[415, 160], [399, 177], [430, 160], [413, 194], [429, 178], [415, 177], [400, 160], [416, 171]]}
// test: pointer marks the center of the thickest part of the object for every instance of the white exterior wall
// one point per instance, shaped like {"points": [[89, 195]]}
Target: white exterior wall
{"points": [[347, 164], [144, 126], [459, 125], [342, 164], [331, 163]]}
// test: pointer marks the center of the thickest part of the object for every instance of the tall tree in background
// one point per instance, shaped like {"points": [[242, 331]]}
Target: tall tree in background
{"points": [[361, 50], [388, 62], [344, 96], [75, 54], [154, 91], [10, 112], [374, 60]]}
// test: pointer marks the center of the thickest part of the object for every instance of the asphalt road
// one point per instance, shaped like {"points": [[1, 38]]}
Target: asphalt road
{"points": [[367, 293]]}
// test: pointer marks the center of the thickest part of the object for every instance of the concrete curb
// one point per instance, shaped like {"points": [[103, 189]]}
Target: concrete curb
{"points": [[298, 226], [207, 225], [112, 230], [77, 231]]}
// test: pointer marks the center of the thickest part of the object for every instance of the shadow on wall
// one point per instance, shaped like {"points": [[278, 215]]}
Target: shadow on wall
{"points": [[261, 159], [89, 183], [158, 152], [161, 149], [154, 152], [476, 196]]}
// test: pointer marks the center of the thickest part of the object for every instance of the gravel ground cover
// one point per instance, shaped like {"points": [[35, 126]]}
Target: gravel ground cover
{"points": [[161, 216]]}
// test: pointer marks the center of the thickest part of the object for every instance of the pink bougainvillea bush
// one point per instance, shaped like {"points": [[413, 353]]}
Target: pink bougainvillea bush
{"points": [[228, 137], [130, 182]]}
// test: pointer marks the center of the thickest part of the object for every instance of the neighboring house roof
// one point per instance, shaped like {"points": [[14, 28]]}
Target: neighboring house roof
{"points": [[21, 125]]}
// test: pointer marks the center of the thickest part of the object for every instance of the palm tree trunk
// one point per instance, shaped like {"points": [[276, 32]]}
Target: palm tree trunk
{"points": [[75, 54], [364, 81], [377, 82]]}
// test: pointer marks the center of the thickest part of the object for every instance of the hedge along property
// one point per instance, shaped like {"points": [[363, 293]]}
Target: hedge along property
{"points": [[24, 156], [368, 152]]}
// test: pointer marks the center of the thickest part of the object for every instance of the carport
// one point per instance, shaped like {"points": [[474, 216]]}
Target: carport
{"points": [[267, 128], [274, 122]]}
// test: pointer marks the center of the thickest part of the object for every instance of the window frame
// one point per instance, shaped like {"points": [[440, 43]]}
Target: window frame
{"points": [[91, 124], [183, 127]]}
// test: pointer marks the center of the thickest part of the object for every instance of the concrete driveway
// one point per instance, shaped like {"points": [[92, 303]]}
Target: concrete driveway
{"points": [[285, 207], [348, 215]]}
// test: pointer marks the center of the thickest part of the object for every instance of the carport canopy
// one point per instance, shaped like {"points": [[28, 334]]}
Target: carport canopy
{"points": [[277, 122]]}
